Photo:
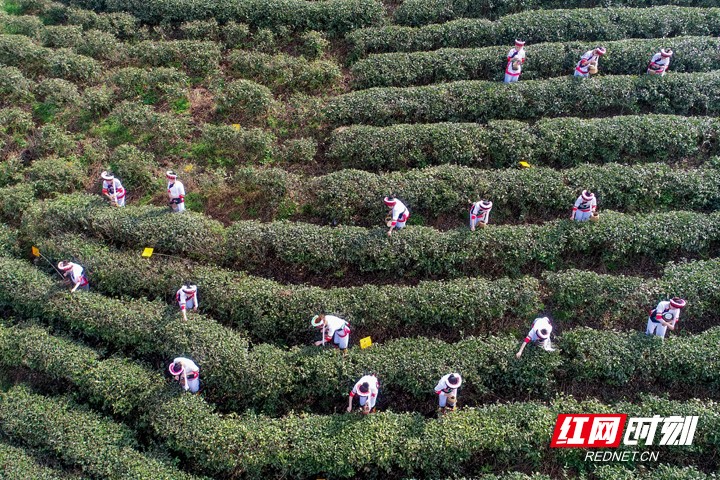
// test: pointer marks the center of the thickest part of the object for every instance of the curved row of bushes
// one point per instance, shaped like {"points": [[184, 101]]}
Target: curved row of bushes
{"points": [[544, 60], [345, 445], [416, 13], [553, 142], [617, 241], [274, 380], [435, 194], [99, 446], [197, 58], [41, 179], [34, 60], [537, 194], [283, 72], [278, 314], [118, 385], [138, 326], [581, 24], [214, 445], [438, 196], [333, 16], [481, 101], [34, 16], [18, 464]]}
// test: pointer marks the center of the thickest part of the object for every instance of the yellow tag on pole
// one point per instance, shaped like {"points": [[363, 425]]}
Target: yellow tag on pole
{"points": [[236, 126], [147, 253], [35, 251], [525, 165], [365, 342]]}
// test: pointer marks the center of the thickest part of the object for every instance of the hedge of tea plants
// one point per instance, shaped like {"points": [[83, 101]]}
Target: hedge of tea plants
{"points": [[544, 60], [552, 142], [422, 12], [481, 101], [79, 438], [277, 313], [618, 241], [583, 24], [285, 163]]}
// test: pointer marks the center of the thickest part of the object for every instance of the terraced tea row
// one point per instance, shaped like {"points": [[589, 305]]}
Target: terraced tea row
{"points": [[276, 381], [436, 196], [617, 242], [421, 12], [102, 448], [279, 314], [552, 142], [439, 195], [213, 444], [78, 54], [481, 101], [397, 443], [581, 24], [18, 464], [545, 60]]}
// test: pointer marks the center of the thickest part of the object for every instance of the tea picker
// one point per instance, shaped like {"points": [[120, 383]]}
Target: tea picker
{"points": [[187, 298], [187, 373], [480, 213], [588, 63], [585, 207], [447, 390], [113, 189], [367, 389], [333, 329], [539, 333], [660, 62], [76, 273], [398, 215], [665, 315], [515, 61], [176, 192]]}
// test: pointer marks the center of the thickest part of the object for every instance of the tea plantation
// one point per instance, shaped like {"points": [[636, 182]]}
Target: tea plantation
{"points": [[288, 122]]}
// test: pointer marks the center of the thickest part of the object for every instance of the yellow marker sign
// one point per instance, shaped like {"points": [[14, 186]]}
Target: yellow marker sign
{"points": [[525, 165], [35, 252], [365, 342], [236, 126], [147, 253]]}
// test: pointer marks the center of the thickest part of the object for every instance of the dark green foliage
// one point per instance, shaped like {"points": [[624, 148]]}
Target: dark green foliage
{"points": [[244, 100], [225, 146], [617, 241], [624, 57], [134, 168], [197, 58], [590, 25], [282, 72], [422, 12], [333, 16], [18, 464], [481, 101], [78, 437]]}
